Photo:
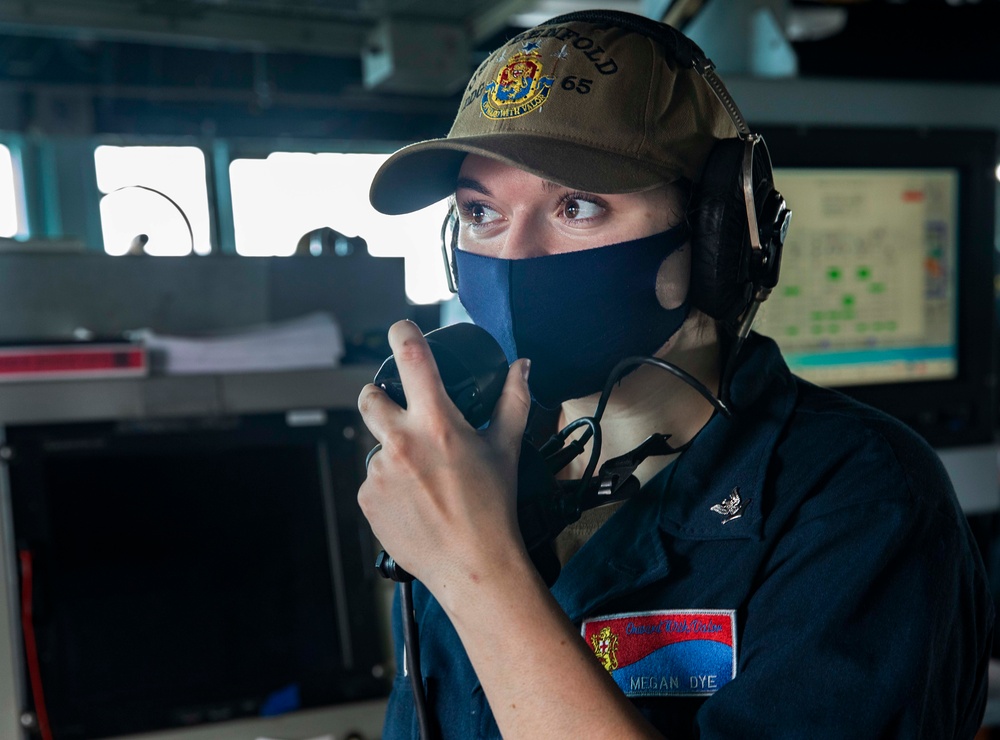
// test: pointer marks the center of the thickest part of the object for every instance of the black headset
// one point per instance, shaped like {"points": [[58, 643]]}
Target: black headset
{"points": [[738, 220]]}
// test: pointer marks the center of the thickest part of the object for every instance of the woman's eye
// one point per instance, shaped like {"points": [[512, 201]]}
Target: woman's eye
{"points": [[479, 213], [576, 208]]}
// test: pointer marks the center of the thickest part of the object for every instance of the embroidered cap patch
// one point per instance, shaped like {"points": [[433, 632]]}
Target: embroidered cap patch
{"points": [[520, 87], [666, 653]]}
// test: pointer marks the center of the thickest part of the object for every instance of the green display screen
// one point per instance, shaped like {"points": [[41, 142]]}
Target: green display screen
{"points": [[868, 285]]}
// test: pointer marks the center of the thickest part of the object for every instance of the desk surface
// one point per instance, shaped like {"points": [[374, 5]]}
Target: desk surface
{"points": [[57, 401]]}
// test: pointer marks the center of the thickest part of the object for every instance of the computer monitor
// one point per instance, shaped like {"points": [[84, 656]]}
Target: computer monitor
{"points": [[886, 286], [191, 571], [870, 282]]}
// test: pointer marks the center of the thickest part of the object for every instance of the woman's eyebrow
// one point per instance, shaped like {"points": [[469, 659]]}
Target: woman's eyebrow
{"points": [[470, 184]]}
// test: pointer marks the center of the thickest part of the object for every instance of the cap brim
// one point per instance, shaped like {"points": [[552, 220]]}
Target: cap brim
{"points": [[423, 173]]}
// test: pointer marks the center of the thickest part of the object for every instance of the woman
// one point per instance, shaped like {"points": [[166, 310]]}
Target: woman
{"points": [[797, 567]]}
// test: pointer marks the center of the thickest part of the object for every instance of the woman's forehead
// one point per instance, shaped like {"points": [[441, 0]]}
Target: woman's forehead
{"points": [[487, 176], [477, 166]]}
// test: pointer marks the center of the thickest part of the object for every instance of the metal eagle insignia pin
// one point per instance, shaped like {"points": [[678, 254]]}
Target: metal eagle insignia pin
{"points": [[732, 506]]}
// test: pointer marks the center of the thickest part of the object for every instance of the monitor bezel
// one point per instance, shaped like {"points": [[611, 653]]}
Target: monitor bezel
{"points": [[952, 412]]}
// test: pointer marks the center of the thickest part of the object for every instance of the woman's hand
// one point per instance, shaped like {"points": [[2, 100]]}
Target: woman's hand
{"points": [[440, 495]]}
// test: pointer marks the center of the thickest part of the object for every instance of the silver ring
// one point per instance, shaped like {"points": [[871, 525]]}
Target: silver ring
{"points": [[371, 454]]}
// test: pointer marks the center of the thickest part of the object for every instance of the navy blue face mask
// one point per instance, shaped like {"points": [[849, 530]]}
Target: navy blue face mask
{"points": [[574, 315]]}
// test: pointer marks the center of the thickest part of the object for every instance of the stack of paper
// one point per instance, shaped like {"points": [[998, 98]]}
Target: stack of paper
{"points": [[308, 342]]}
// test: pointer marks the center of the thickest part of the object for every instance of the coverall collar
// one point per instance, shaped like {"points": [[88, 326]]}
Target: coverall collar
{"points": [[713, 491]]}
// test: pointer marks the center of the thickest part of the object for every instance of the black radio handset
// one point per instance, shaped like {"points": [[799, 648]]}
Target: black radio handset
{"points": [[472, 366], [473, 369]]}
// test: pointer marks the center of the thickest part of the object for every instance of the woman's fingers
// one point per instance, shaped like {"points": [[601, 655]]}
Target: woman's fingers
{"points": [[417, 368], [511, 413]]}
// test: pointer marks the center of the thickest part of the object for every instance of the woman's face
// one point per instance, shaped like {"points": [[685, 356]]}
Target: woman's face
{"points": [[508, 213]]}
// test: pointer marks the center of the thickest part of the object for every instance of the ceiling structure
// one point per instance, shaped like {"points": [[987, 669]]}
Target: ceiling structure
{"points": [[328, 27], [387, 30], [123, 61], [923, 36]]}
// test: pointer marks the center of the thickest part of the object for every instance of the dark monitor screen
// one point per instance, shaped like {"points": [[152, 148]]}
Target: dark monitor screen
{"points": [[190, 573], [886, 282]]}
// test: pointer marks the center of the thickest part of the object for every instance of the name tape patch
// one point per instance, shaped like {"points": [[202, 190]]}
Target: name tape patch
{"points": [[666, 653]]}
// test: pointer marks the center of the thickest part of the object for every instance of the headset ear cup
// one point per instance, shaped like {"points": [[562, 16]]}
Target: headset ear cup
{"points": [[720, 260]]}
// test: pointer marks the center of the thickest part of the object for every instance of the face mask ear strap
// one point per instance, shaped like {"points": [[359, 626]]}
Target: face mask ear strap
{"points": [[449, 242]]}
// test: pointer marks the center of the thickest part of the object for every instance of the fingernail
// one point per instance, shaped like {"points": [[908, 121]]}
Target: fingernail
{"points": [[525, 369]]}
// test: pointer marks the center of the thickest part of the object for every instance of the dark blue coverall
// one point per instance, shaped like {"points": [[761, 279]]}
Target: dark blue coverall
{"points": [[826, 531]]}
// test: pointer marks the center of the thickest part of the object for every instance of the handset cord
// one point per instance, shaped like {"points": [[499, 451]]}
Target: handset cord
{"points": [[613, 378], [411, 658], [411, 642]]}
